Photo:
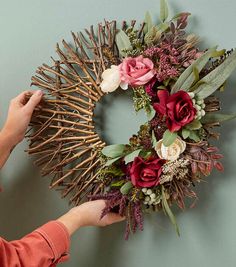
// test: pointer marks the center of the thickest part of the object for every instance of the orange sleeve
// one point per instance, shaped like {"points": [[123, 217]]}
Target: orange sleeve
{"points": [[44, 247]]}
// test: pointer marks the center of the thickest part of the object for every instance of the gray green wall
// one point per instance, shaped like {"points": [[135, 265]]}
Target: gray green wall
{"points": [[29, 30]]}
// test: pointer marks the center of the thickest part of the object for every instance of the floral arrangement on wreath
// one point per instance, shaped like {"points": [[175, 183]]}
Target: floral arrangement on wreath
{"points": [[175, 83]]}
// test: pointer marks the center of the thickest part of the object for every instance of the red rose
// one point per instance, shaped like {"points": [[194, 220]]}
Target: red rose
{"points": [[146, 173], [178, 109]]}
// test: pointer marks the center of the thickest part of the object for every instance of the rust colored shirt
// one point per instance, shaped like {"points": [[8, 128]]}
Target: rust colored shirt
{"points": [[44, 247]]}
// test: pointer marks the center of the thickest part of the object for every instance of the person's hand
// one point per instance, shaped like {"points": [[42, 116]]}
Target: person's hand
{"points": [[89, 214], [19, 115]]}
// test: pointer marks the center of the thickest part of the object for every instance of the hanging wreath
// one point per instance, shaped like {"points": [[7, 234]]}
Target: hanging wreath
{"points": [[171, 79]]}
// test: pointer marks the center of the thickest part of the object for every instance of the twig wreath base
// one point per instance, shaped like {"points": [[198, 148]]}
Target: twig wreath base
{"points": [[171, 79]]}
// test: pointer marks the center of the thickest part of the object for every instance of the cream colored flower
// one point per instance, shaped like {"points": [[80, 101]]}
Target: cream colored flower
{"points": [[171, 152], [111, 79]]}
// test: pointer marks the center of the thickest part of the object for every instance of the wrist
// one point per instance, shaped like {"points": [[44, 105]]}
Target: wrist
{"points": [[72, 220], [7, 139]]}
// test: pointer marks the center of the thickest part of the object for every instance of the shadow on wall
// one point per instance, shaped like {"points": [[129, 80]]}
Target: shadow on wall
{"points": [[27, 203]]}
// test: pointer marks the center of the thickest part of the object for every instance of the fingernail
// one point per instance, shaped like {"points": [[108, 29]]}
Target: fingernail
{"points": [[39, 93]]}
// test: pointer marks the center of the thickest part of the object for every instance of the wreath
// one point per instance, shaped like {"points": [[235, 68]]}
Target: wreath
{"points": [[171, 78]]}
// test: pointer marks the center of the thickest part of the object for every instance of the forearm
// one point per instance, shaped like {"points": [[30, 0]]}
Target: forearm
{"points": [[6, 146], [44, 247]]}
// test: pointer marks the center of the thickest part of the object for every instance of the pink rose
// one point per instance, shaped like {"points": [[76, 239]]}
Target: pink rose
{"points": [[136, 71]]}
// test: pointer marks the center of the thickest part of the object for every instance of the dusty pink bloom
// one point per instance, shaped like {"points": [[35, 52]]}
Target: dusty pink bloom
{"points": [[136, 71], [166, 58]]}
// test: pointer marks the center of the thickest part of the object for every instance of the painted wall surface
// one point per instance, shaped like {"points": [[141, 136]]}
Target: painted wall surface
{"points": [[29, 30]]}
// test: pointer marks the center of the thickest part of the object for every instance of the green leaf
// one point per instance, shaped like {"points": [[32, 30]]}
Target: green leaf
{"points": [[217, 77], [188, 77], [154, 140], [113, 151], [169, 137], [194, 136], [194, 125], [163, 26], [111, 161], [148, 22], [222, 88], [185, 133], [114, 171], [217, 117], [130, 157], [218, 53], [123, 42], [126, 188], [168, 210], [163, 10], [196, 74], [151, 113], [153, 35], [118, 183], [145, 154]]}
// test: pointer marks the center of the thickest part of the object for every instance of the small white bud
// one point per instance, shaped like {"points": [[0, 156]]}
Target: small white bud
{"points": [[198, 107], [191, 94], [144, 190], [153, 196], [149, 192]]}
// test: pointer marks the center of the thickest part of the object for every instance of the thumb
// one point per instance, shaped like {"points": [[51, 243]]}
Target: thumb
{"points": [[34, 101]]}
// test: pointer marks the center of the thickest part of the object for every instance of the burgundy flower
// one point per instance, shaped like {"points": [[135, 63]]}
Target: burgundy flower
{"points": [[150, 87], [178, 109], [146, 173]]}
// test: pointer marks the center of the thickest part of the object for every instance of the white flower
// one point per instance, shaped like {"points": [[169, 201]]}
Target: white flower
{"points": [[111, 80], [171, 152]]}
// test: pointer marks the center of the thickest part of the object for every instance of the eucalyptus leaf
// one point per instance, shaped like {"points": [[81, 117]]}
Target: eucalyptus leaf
{"points": [[163, 26], [169, 137], [113, 151], [217, 77], [154, 140], [125, 189], [123, 42], [168, 210], [130, 157], [163, 10], [217, 117], [194, 125], [194, 136], [151, 113], [188, 77], [148, 22], [185, 133], [111, 161]]}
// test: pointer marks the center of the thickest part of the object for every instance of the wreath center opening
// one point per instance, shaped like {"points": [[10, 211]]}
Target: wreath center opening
{"points": [[115, 118]]}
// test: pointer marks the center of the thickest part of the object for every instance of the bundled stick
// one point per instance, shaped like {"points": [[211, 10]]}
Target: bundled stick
{"points": [[62, 134]]}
